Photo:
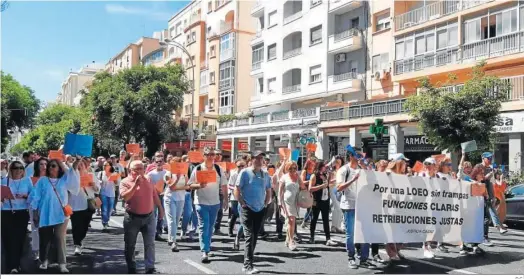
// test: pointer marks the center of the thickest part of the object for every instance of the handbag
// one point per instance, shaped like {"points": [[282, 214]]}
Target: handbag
{"points": [[68, 211], [304, 199], [93, 203]]}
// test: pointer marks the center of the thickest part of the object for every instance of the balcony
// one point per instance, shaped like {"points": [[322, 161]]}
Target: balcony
{"points": [[516, 90], [376, 109], [226, 110], [226, 83], [343, 6], [344, 81], [434, 11], [291, 53], [292, 17], [257, 9], [256, 66], [203, 65], [204, 89], [227, 54], [291, 89], [257, 38], [226, 27], [425, 61], [494, 47], [346, 40], [272, 119], [194, 18]]}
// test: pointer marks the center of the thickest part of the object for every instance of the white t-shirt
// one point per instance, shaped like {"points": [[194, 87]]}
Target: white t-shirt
{"points": [[209, 194], [233, 181], [156, 176], [178, 195], [349, 195]]}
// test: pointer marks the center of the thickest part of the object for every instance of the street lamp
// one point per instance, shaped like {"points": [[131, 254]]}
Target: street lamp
{"points": [[168, 42]]}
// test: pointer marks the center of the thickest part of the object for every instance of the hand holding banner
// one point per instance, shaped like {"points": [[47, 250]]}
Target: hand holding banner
{"points": [[295, 154], [78, 145], [179, 168], [114, 177], [195, 157], [206, 176], [56, 154], [284, 153], [469, 146]]}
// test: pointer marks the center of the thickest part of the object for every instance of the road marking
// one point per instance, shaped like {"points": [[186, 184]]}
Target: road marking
{"points": [[118, 224], [200, 267]]}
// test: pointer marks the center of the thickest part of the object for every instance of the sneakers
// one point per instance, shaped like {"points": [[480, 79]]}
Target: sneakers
{"points": [[205, 258], [158, 238], [169, 242], [378, 259], [442, 248], [292, 246], [250, 270], [151, 271], [336, 230], [352, 264], [280, 237], [370, 264], [330, 242], [236, 246], [218, 232], [63, 268], [174, 248], [36, 256], [304, 224], [78, 250], [502, 230], [395, 258], [43, 266], [14, 271], [487, 242], [477, 250], [311, 241], [263, 236], [428, 254], [465, 250], [105, 227]]}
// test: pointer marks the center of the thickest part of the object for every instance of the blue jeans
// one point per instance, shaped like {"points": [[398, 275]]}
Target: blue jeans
{"points": [[494, 216], [107, 207], [240, 231], [159, 222], [207, 215], [189, 215], [349, 216], [173, 214]]}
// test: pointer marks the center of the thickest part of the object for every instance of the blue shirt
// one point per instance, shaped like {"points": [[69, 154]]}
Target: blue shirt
{"points": [[45, 200], [22, 186], [253, 188]]}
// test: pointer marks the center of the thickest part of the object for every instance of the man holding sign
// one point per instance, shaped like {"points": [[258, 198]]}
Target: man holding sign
{"points": [[208, 179]]}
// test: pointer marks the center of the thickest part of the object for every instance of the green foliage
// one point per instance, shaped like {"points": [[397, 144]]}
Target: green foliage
{"points": [[449, 119], [516, 178], [19, 106], [135, 105], [226, 118]]}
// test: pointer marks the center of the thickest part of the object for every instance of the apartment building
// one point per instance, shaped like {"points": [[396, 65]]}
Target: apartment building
{"points": [[77, 81], [132, 54], [213, 32]]}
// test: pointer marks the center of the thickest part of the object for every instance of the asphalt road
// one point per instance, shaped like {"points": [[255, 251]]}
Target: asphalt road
{"points": [[104, 254]]}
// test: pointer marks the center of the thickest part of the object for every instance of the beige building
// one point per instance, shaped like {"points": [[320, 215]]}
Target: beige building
{"points": [[132, 54], [77, 81]]}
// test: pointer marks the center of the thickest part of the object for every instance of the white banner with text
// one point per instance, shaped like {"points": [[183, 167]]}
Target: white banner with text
{"points": [[394, 208]]}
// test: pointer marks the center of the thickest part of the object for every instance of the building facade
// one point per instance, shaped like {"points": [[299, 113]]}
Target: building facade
{"points": [[132, 54], [77, 81]]}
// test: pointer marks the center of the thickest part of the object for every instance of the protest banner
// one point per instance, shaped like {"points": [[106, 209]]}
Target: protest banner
{"points": [[311, 147], [56, 154], [295, 154], [222, 165], [78, 145], [166, 167], [418, 167], [195, 157], [6, 193], [231, 166], [392, 208], [159, 186], [179, 168], [206, 176], [469, 146], [271, 171], [133, 148]]}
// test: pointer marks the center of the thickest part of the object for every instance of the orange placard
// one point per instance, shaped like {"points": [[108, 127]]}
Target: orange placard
{"points": [[34, 179], [271, 171], [418, 167], [167, 167], [284, 152], [439, 157], [223, 165], [206, 176], [195, 157], [478, 189], [133, 148], [86, 179], [114, 177], [6, 193], [179, 168], [159, 186], [56, 154], [231, 166], [311, 147]]}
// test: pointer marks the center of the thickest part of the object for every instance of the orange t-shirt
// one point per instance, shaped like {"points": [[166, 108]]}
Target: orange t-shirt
{"points": [[499, 190], [142, 202]]}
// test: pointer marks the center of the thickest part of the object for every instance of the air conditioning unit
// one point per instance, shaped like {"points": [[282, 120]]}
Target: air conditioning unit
{"points": [[340, 57], [377, 75], [339, 98]]}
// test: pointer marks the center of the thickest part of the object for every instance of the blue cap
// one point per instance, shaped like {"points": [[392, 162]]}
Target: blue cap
{"points": [[351, 150], [487, 155]]}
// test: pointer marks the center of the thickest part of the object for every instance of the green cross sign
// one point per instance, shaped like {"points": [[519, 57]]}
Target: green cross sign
{"points": [[378, 129]]}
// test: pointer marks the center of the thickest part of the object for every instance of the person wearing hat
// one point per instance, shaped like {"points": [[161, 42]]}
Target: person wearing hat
{"points": [[347, 177], [253, 193]]}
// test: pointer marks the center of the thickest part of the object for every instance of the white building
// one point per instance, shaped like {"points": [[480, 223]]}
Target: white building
{"points": [[77, 81], [304, 54]]}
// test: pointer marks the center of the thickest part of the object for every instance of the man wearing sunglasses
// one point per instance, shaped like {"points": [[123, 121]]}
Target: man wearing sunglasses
{"points": [[253, 192]]}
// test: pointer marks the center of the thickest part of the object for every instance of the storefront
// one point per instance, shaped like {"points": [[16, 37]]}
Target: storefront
{"points": [[418, 148], [509, 147]]}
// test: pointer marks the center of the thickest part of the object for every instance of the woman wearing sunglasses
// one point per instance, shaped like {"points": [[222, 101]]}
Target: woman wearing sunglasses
{"points": [[319, 186], [108, 178], [40, 166], [51, 211], [290, 186], [15, 215]]}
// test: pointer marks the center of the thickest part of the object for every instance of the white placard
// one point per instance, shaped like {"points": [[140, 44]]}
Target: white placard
{"points": [[400, 209]]}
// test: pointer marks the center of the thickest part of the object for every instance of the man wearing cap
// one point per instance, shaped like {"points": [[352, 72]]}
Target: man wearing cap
{"points": [[253, 192], [347, 177]]}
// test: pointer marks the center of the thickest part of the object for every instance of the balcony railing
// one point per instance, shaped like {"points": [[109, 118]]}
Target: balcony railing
{"points": [[243, 122], [497, 46], [291, 89], [304, 113], [364, 110], [425, 61], [292, 17], [228, 124], [226, 54], [204, 89], [290, 53], [225, 83], [256, 66], [257, 6], [260, 119], [346, 34], [280, 116], [258, 34], [226, 110], [344, 76], [433, 11], [516, 88]]}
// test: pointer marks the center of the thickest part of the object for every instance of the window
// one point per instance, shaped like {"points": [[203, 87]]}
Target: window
{"points": [[209, 6], [355, 23], [193, 36], [226, 74], [271, 85], [316, 35], [155, 57], [383, 22], [315, 74], [203, 79], [380, 62], [188, 39], [258, 54], [212, 104], [226, 42], [212, 78], [172, 32], [227, 100], [272, 52], [178, 29], [272, 19], [259, 84], [213, 52]]}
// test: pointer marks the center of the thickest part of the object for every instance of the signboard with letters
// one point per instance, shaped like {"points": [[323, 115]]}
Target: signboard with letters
{"points": [[419, 143], [512, 122]]}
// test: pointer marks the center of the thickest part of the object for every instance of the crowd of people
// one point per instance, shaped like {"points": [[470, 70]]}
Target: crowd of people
{"points": [[48, 194]]}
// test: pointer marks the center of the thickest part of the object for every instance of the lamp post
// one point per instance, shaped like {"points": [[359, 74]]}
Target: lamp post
{"points": [[168, 42]]}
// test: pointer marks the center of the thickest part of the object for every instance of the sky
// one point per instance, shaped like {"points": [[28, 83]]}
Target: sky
{"points": [[41, 41]]}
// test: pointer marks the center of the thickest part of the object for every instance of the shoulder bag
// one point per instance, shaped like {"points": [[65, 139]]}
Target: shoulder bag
{"points": [[68, 211]]}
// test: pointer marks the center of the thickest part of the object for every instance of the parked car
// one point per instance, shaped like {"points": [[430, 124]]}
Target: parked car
{"points": [[515, 204]]}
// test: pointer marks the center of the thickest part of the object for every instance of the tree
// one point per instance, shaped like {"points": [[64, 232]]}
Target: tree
{"points": [[19, 106], [449, 119], [135, 105]]}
